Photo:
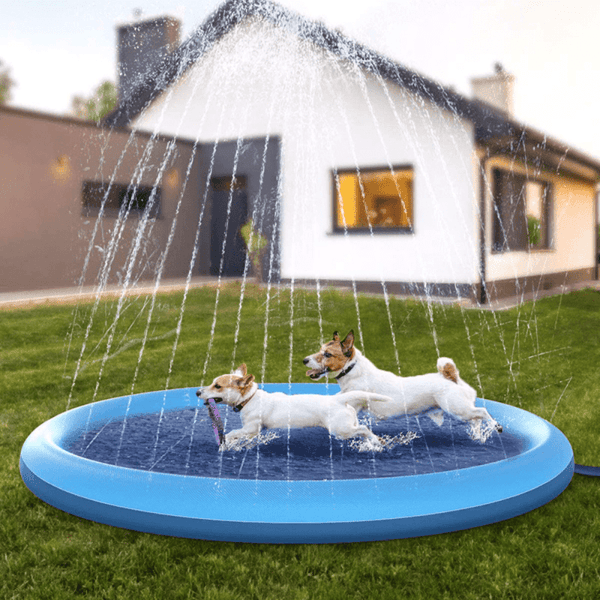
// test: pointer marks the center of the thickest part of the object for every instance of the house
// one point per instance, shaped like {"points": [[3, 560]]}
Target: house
{"points": [[356, 170], [63, 184], [360, 171]]}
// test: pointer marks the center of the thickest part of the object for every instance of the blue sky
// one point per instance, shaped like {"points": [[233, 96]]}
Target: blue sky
{"points": [[59, 49]]}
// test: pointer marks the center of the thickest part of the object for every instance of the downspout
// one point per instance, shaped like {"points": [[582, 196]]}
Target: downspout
{"points": [[596, 231], [483, 297]]}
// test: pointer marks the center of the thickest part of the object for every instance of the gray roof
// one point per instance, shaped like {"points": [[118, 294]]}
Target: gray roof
{"points": [[491, 125], [487, 121]]}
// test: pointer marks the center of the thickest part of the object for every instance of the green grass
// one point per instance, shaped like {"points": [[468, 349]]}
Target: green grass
{"points": [[542, 357]]}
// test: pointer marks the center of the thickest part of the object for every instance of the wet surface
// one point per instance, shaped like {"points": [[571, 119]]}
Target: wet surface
{"points": [[183, 442]]}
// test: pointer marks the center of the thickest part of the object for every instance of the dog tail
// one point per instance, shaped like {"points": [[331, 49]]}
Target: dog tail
{"points": [[448, 369], [360, 400]]}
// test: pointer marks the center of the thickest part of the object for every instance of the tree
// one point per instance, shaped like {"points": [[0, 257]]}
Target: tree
{"points": [[102, 101], [6, 83]]}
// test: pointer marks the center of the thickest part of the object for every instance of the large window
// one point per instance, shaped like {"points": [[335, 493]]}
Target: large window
{"points": [[522, 213], [374, 200], [136, 199]]}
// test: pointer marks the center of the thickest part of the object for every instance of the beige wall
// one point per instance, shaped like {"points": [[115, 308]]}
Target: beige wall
{"points": [[573, 245], [45, 236]]}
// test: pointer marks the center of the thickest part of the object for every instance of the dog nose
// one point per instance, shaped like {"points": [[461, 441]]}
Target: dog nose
{"points": [[305, 361], [199, 392]]}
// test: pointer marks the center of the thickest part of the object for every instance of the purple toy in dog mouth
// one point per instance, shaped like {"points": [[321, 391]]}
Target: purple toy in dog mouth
{"points": [[215, 418]]}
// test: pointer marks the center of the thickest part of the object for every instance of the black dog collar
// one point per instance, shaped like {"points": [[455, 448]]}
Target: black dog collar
{"points": [[241, 405], [346, 371]]}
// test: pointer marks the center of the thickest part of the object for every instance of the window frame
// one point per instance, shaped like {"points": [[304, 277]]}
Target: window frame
{"points": [[117, 195], [503, 246], [376, 230]]}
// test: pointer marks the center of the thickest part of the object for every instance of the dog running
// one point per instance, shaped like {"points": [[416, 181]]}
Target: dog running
{"points": [[432, 393], [260, 409]]}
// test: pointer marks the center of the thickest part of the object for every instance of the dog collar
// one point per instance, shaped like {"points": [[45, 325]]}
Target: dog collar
{"points": [[241, 405], [346, 371]]}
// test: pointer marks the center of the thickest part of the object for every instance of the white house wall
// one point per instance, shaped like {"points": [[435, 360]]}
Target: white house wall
{"points": [[261, 80]]}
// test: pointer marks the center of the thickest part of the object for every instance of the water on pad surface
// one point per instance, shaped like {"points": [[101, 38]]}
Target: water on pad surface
{"points": [[311, 456]]}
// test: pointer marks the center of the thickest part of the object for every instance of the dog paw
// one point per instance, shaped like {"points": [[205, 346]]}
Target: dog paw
{"points": [[480, 431]]}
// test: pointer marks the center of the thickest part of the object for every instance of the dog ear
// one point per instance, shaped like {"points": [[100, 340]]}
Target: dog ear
{"points": [[241, 370], [348, 343], [336, 336], [245, 383]]}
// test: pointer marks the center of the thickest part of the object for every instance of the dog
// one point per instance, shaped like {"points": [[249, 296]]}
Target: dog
{"points": [[433, 393], [260, 409]]}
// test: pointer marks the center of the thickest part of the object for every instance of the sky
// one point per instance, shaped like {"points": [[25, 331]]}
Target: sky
{"points": [[59, 49]]}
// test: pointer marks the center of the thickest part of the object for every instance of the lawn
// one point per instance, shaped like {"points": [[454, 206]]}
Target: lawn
{"points": [[540, 356]]}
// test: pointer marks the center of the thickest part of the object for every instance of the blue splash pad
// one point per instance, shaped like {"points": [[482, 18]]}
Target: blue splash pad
{"points": [[290, 511]]}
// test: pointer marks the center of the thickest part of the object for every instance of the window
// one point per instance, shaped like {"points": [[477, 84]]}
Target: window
{"points": [[136, 198], [521, 213], [374, 199]]}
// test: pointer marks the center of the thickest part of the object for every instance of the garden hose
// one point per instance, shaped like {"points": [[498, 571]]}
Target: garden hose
{"points": [[585, 470]]}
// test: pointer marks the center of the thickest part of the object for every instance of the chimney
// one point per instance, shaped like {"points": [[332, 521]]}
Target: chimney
{"points": [[496, 90], [141, 46]]}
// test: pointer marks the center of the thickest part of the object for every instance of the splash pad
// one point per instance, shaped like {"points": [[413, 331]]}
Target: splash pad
{"points": [[289, 511]]}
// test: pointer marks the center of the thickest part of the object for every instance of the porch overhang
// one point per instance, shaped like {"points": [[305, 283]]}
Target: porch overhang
{"points": [[537, 150]]}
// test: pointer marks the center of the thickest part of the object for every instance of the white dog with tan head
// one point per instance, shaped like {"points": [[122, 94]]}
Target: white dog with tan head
{"points": [[432, 393], [260, 409]]}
